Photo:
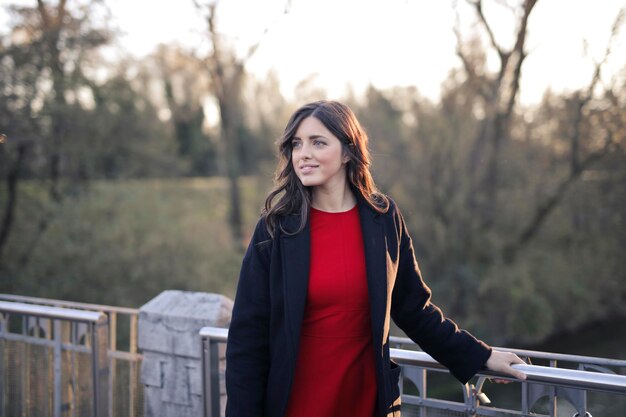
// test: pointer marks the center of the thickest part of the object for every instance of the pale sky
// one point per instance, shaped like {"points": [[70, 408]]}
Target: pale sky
{"points": [[385, 43]]}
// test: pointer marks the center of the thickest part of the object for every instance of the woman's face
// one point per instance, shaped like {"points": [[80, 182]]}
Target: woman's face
{"points": [[317, 155]]}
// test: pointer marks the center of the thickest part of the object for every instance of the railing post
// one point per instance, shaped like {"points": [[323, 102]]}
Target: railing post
{"points": [[100, 368], [525, 400], [2, 371], [112, 361], [211, 338], [471, 400], [214, 365], [133, 365], [58, 389], [210, 377]]}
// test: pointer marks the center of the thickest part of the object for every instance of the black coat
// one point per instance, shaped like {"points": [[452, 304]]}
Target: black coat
{"points": [[269, 307]]}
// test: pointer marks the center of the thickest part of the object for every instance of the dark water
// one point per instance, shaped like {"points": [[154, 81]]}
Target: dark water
{"points": [[606, 339]]}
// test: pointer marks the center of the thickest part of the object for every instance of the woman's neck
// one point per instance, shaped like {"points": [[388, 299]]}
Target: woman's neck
{"points": [[333, 200]]}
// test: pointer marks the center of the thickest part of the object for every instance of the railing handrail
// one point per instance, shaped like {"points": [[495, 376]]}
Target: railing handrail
{"points": [[51, 312], [70, 304], [539, 374], [535, 354], [220, 334]]}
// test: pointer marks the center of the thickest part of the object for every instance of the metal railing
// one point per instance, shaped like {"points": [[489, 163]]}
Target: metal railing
{"points": [[125, 391], [212, 373], [44, 351], [555, 383], [574, 397]]}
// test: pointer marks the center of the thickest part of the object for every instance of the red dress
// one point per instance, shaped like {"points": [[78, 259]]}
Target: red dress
{"points": [[335, 372]]}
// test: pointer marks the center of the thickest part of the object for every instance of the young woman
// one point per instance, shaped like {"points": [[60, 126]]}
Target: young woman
{"points": [[330, 263]]}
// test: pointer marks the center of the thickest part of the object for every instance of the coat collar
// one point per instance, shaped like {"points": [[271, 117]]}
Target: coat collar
{"points": [[295, 260], [375, 247]]}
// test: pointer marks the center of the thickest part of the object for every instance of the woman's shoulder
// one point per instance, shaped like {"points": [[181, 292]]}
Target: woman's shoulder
{"points": [[393, 217], [261, 231], [265, 231], [386, 204]]}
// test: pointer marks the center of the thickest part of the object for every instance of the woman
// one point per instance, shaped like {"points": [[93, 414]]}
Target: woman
{"points": [[329, 264]]}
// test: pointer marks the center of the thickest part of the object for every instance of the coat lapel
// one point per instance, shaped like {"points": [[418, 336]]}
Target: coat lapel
{"points": [[296, 251], [375, 262]]}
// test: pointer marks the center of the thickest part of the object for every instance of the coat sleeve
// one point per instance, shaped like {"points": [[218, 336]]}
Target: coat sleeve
{"points": [[247, 350], [423, 322]]}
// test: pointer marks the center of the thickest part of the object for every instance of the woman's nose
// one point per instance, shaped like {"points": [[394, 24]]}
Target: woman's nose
{"points": [[305, 152]]}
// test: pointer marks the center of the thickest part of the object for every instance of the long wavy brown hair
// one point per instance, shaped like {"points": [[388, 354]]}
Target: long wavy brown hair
{"points": [[295, 198]]}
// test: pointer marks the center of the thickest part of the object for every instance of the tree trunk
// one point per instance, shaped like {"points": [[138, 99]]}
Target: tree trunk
{"points": [[231, 138], [12, 182]]}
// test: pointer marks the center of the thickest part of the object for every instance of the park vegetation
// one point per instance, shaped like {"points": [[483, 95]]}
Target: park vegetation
{"points": [[116, 186]]}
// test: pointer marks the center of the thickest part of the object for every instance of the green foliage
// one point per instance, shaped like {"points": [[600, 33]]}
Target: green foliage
{"points": [[568, 274], [123, 242], [124, 138]]}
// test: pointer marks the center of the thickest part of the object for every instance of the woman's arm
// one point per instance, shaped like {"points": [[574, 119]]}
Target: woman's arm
{"points": [[424, 322], [247, 350]]}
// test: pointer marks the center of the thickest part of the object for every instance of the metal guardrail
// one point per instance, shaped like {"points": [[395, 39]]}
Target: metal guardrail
{"points": [[571, 384], [55, 330], [540, 374], [535, 393], [210, 337], [124, 386], [51, 335], [401, 342]]}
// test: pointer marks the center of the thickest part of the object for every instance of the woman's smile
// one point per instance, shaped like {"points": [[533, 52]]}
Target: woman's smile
{"points": [[307, 168]]}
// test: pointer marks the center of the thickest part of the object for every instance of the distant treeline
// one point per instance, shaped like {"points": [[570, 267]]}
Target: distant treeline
{"points": [[517, 213]]}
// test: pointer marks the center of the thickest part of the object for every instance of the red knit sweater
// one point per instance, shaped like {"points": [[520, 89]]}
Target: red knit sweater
{"points": [[335, 372]]}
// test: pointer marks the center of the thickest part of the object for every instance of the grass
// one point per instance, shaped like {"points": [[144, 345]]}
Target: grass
{"points": [[122, 243]]}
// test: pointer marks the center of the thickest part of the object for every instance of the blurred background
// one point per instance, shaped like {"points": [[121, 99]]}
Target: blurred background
{"points": [[138, 138]]}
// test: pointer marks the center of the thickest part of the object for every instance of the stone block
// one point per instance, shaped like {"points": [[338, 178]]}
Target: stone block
{"points": [[171, 370]]}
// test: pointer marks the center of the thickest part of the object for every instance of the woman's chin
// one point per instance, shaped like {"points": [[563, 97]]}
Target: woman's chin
{"points": [[309, 182]]}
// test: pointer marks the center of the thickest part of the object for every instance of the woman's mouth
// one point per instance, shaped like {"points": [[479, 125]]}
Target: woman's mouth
{"points": [[307, 168]]}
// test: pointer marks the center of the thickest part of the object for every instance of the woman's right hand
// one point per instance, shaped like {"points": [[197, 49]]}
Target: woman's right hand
{"points": [[502, 361]]}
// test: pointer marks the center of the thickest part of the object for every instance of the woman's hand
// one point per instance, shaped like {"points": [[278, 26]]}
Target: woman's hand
{"points": [[502, 361]]}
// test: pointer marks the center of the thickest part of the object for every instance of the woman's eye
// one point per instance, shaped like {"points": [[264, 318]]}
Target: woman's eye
{"points": [[295, 143], [319, 143]]}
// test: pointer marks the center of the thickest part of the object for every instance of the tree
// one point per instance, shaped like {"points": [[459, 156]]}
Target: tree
{"points": [[487, 186], [64, 127], [185, 88], [497, 104], [47, 45], [535, 166], [228, 74], [583, 121]]}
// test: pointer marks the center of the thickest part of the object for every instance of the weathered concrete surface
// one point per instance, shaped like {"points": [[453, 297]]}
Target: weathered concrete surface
{"points": [[168, 336]]}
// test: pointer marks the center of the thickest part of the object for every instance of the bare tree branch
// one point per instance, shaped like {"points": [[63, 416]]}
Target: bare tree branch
{"points": [[45, 17], [478, 5], [543, 210], [61, 12], [483, 88], [615, 28], [519, 53], [577, 167], [227, 73], [253, 48], [495, 127]]}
